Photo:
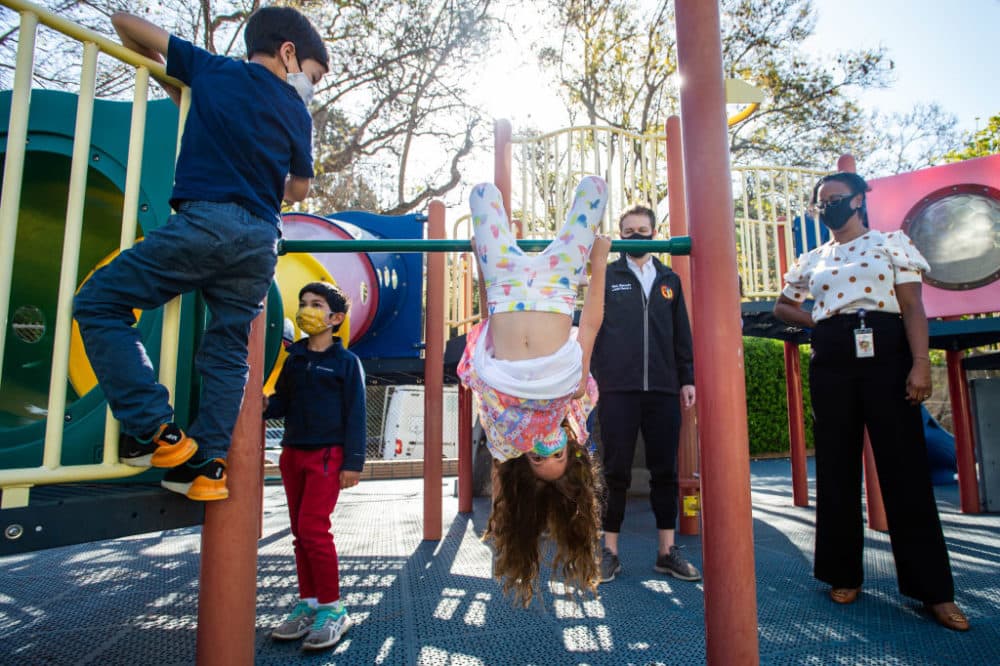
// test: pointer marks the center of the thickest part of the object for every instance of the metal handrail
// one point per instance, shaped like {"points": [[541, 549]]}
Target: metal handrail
{"points": [[16, 483], [675, 245], [85, 35]]}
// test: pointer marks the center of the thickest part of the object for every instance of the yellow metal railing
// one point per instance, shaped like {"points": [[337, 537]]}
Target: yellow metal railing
{"points": [[547, 167], [768, 201], [15, 483], [461, 276]]}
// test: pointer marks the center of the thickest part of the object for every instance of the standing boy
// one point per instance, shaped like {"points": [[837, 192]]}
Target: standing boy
{"points": [[321, 394], [246, 145], [644, 367]]}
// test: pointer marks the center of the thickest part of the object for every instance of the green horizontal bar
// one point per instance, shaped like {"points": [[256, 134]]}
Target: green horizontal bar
{"points": [[676, 245]]}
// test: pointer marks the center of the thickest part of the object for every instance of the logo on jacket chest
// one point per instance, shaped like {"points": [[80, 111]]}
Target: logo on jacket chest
{"points": [[666, 292], [621, 286]]}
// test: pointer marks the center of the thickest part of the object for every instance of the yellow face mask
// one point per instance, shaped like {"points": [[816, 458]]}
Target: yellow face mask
{"points": [[312, 320]]}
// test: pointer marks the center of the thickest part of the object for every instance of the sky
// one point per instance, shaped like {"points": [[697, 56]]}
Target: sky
{"points": [[943, 52]]}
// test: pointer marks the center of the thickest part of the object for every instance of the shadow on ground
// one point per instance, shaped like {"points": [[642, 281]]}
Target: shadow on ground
{"points": [[134, 600]]}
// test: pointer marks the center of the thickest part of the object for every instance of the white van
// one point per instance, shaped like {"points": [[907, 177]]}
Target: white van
{"points": [[403, 423]]}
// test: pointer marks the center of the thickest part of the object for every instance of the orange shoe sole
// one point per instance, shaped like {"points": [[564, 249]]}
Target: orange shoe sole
{"points": [[208, 490], [172, 455]]}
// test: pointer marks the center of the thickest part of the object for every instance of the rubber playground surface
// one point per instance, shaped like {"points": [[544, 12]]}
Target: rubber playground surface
{"points": [[134, 600]]}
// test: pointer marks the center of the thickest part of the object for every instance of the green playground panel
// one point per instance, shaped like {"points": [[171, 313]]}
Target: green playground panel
{"points": [[38, 257]]}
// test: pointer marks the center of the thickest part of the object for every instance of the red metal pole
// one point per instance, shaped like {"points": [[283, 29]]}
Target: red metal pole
{"points": [[796, 425], [465, 489], [730, 594], [434, 376], [846, 163], [793, 396], [688, 484], [961, 411], [464, 450], [873, 491], [227, 593]]}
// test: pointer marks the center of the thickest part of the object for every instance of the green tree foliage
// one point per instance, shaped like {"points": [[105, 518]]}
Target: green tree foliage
{"points": [[398, 88], [615, 61], [980, 144], [767, 406], [612, 61], [392, 118]]}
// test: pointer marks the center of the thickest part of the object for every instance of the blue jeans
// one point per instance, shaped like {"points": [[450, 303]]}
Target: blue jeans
{"points": [[221, 249]]}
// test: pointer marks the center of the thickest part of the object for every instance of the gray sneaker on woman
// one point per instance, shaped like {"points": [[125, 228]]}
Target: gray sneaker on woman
{"points": [[610, 566], [673, 563]]}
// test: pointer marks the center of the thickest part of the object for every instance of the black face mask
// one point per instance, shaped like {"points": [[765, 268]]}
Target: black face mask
{"points": [[836, 215], [637, 254]]}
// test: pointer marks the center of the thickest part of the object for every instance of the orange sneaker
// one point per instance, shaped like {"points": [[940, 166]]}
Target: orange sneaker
{"points": [[173, 447], [202, 481]]}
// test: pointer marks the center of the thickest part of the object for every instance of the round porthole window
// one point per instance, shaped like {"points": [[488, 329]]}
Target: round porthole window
{"points": [[28, 323], [957, 229]]}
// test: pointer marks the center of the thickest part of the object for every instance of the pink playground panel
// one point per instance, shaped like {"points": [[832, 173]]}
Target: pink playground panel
{"points": [[955, 245], [354, 273]]}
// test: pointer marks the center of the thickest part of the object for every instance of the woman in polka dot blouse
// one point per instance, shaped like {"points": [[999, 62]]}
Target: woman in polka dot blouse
{"points": [[869, 369]]}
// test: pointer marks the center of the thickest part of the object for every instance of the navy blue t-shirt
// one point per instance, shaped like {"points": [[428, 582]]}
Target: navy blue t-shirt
{"points": [[246, 131]]}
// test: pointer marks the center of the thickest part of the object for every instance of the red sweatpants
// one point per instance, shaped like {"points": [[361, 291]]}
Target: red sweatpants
{"points": [[312, 484]]}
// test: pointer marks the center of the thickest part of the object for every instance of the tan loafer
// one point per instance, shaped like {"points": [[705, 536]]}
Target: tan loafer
{"points": [[844, 595], [947, 614]]}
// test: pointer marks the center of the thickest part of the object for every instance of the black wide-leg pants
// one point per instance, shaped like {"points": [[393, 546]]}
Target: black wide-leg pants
{"points": [[623, 414], [849, 394]]}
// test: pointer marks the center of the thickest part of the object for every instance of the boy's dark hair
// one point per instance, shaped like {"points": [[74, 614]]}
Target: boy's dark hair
{"points": [[638, 210], [270, 27], [335, 298], [853, 181]]}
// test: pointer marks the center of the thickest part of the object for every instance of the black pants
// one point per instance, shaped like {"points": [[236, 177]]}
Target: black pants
{"points": [[849, 394], [658, 416]]}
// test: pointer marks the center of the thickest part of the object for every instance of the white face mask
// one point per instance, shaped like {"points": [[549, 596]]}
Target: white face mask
{"points": [[302, 84]]}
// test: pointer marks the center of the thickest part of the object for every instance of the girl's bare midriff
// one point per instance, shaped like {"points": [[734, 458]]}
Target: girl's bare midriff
{"points": [[518, 336]]}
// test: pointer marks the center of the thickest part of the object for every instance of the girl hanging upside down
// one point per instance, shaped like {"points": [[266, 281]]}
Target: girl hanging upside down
{"points": [[531, 371]]}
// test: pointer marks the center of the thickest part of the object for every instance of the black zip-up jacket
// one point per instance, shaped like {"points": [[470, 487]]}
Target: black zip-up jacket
{"points": [[643, 345], [322, 397]]}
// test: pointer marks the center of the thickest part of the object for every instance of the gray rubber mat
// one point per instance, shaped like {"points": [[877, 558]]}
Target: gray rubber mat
{"points": [[134, 600]]}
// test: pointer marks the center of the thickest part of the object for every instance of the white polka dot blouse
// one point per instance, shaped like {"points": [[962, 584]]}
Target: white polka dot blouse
{"points": [[844, 277]]}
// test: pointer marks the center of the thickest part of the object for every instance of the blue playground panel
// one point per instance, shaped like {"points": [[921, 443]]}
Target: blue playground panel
{"points": [[805, 230], [398, 324]]}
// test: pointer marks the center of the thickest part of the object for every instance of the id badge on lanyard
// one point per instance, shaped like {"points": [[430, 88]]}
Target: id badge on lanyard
{"points": [[864, 339]]}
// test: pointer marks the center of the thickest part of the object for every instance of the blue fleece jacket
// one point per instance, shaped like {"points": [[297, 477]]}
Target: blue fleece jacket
{"points": [[321, 395]]}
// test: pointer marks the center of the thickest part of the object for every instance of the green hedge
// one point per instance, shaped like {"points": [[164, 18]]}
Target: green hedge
{"points": [[767, 409]]}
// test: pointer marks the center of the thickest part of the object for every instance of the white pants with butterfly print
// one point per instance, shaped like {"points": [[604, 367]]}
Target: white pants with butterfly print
{"points": [[544, 282]]}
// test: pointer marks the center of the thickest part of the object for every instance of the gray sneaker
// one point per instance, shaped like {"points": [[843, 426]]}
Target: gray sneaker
{"points": [[610, 566], [296, 625], [673, 563], [327, 629]]}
